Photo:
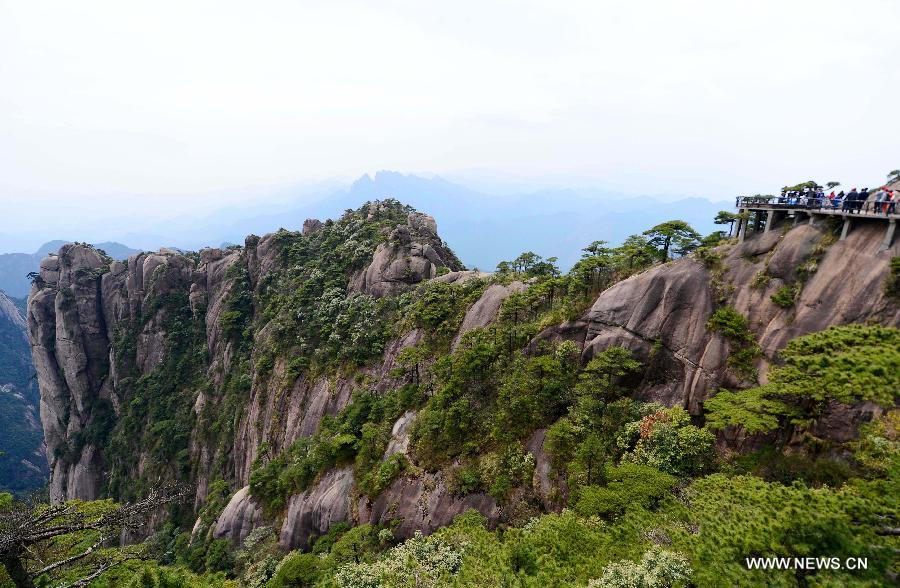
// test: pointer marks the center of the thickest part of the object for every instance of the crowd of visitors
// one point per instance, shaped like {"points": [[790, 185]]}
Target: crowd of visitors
{"points": [[853, 202]]}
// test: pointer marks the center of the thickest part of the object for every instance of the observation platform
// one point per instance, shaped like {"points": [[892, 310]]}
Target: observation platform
{"points": [[762, 213]]}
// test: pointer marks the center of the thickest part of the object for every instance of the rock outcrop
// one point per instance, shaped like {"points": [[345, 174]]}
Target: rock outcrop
{"points": [[486, 308], [97, 326], [318, 509], [241, 515], [422, 503], [9, 313], [413, 253], [661, 313]]}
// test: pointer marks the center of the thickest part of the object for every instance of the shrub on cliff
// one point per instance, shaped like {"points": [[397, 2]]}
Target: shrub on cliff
{"points": [[846, 364], [628, 486], [735, 327], [667, 440], [785, 296], [892, 284]]}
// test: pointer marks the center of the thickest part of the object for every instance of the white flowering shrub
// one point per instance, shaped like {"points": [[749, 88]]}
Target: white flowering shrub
{"points": [[658, 568], [420, 562]]}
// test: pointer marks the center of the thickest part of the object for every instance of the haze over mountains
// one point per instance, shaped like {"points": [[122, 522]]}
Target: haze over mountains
{"points": [[482, 228]]}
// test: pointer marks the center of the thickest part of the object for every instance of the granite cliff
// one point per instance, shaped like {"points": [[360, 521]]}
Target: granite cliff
{"points": [[211, 367]]}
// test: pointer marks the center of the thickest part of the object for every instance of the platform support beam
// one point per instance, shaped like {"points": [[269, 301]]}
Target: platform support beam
{"points": [[889, 235], [845, 229]]}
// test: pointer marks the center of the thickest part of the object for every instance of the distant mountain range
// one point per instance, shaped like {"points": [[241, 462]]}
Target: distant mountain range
{"points": [[482, 228], [15, 267]]}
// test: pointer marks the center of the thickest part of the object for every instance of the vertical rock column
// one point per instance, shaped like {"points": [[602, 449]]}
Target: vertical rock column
{"points": [[70, 352]]}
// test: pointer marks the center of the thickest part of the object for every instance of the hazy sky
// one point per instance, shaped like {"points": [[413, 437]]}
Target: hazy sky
{"points": [[107, 102]]}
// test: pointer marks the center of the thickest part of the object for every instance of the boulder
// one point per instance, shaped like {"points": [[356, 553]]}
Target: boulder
{"points": [[310, 226], [663, 311], [412, 254], [422, 503], [486, 308], [313, 512], [795, 247], [461, 277], [240, 516], [399, 442]]}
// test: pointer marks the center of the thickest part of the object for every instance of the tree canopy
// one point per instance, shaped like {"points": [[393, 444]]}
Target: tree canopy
{"points": [[673, 236]]}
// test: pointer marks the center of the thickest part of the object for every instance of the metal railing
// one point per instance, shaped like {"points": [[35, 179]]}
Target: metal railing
{"points": [[868, 207]]}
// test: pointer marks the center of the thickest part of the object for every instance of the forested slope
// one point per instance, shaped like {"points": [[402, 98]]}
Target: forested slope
{"points": [[23, 466], [672, 416]]}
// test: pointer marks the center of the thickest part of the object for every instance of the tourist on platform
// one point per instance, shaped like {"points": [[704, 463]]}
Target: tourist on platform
{"points": [[850, 200], [880, 195], [839, 200], [861, 199]]}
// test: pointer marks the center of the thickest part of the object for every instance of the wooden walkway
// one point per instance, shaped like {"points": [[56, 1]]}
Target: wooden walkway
{"points": [[762, 214]]}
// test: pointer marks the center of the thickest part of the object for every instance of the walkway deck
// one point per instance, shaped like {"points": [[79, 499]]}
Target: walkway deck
{"points": [[769, 211]]}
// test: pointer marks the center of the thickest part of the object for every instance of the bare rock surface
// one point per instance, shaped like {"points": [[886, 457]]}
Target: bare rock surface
{"points": [[315, 511], [424, 504], [661, 314], [240, 516], [485, 310], [399, 442], [462, 276], [10, 313], [412, 254]]}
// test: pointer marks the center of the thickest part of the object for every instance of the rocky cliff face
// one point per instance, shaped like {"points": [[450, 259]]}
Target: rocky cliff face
{"points": [[103, 333], [214, 353], [662, 313]]}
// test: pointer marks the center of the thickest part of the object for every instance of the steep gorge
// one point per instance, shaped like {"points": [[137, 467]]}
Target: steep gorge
{"points": [[200, 367], [23, 467]]}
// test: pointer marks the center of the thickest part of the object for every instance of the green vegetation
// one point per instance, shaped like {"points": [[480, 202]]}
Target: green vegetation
{"points": [[665, 439], [306, 303], [892, 284], [630, 486], [760, 279], [724, 217], [847, 364], [798, 187], [622, 493], [743, 349], [158, 417], [676, 236], [785, 296], [658, 568], [358, 435]]}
